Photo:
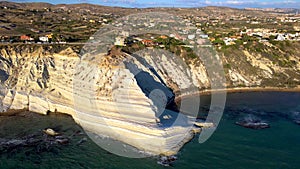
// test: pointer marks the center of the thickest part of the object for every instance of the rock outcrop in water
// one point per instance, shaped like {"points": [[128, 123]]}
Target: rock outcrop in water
{"points": [[252, 122]]}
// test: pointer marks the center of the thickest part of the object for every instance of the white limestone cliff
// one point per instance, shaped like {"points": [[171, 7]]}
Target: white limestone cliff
{"points": [[102, 93]]}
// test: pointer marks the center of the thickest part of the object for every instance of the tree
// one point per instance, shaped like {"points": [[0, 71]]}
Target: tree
{"points": [[218, 42]]}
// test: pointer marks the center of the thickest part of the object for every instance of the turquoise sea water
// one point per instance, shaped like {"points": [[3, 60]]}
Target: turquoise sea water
{"points": [[231, 146]]}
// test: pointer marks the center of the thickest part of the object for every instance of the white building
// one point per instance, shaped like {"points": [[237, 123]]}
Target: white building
{"points": [[191, 37], [120, 41], [229, 41], [125, 34], [280, 37], [44, 39], [204, 36]]}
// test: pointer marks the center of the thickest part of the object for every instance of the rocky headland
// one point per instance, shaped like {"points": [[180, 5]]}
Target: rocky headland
{"points": [[111, 94]]}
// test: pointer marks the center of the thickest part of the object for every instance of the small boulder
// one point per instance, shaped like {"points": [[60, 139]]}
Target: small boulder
{"points": [[50, 132], [62, 141]]}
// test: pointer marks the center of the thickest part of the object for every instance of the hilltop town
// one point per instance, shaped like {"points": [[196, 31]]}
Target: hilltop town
{"points": [[47, 23]]}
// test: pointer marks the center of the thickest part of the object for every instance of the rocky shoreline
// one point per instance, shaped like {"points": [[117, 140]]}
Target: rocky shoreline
{"points": [[35, 134]]}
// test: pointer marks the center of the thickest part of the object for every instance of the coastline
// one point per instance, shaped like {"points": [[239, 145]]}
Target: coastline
{"points": [[206, 92]]}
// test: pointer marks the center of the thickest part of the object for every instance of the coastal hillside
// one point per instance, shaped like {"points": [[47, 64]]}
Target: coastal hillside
{"points": [[261, 65]]}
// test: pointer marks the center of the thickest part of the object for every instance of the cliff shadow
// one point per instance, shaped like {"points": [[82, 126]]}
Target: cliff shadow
{"points": [[3, 76], [161, 96], [146, 64]]}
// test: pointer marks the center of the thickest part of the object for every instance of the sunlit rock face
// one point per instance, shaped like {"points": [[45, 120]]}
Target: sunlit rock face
{"points": [[38, 80], [116, 94]]}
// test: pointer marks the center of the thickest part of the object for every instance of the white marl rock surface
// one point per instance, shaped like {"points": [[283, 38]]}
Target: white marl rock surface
{"points": [[102, 94]]}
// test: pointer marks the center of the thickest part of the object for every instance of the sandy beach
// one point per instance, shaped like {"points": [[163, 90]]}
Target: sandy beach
{"points": [[239, 90]]}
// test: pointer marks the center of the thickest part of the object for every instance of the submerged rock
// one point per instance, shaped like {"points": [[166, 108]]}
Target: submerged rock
{"points": [[295, 116], [253, 125], [40, 142], [82, 141], [252, 122], [166, 160], [62, 141]]}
